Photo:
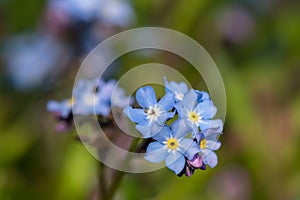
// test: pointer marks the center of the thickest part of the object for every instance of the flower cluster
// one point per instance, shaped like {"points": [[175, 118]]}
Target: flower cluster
{"points": [[89, 97], [182, 125]]}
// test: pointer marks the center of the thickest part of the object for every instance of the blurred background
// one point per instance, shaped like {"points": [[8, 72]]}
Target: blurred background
{"points": [[255, 44]]}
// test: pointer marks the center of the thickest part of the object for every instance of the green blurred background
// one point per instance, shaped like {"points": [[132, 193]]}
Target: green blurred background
{"points": [[256, 46]]}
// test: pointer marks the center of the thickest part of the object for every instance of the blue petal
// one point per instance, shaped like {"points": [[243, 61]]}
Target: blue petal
{"points": [[53, 106], [162, 118], [167, 102], [198, 136], [146, 97], [213, 145], [148, 128], [192, 126], [202, 95], [180, 129], [102, 109], [167, 86], [176, 87], [212, 133], [156, 152], [175, 161], [182, 88], [189, 148], [206, 109], [135, 115], [61, 107], [163, 135], [212, 136], [180, 109], [190, 100], [214, 123], [211, 159]]}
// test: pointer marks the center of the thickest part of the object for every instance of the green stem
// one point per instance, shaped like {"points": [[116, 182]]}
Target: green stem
{"points": [[108, 194], [114, 185], [102, 187]]}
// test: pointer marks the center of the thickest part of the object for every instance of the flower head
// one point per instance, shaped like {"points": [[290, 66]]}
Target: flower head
{"points": [[198, 113], [208, 143], [97, 97], [152, 115], [27, 65], [91, 97], [63, 108], [178, 89], [172, 147]]}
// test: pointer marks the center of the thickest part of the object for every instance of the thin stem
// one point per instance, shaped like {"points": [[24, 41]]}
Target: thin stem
{"points": [[102, 187], [114, 185], [110, 192]]}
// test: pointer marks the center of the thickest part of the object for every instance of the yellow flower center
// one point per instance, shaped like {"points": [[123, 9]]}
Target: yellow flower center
{"points": [[172, 143], [71, 101], [203, 144], [193, 117]]}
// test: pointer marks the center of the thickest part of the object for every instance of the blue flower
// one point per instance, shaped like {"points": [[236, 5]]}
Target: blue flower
{"points": [[90, 97], [172, 147], [117, 13], [113, 12], [178, 89], [208, 143], [151, 117], [81, 10], [62, 108], [198, 114], [113, 95], [96, 98], [27, 65]]}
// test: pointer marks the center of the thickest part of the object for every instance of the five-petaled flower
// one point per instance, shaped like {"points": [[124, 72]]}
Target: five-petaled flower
{"points": [[198, 114], [172, 146], [152, 115], [178, 89], [208, 143]]}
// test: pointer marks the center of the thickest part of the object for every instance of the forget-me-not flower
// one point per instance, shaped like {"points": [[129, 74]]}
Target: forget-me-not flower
{"points": [[96, 98], [27, 65], [172, 147], [178, 89], [208, 143], [151, 117], [91, 97], [62, 108], [198, 114], [112, 94]]}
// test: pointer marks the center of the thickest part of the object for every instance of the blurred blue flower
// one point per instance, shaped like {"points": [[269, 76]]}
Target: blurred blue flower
{"points": [[98, 98], [117, 13], [86, 10], [172, 146], [151, 117], [198, 114], [90, 97], [31, 59], [208, 143], [90, 102], [112, 12], [61, 108]]}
